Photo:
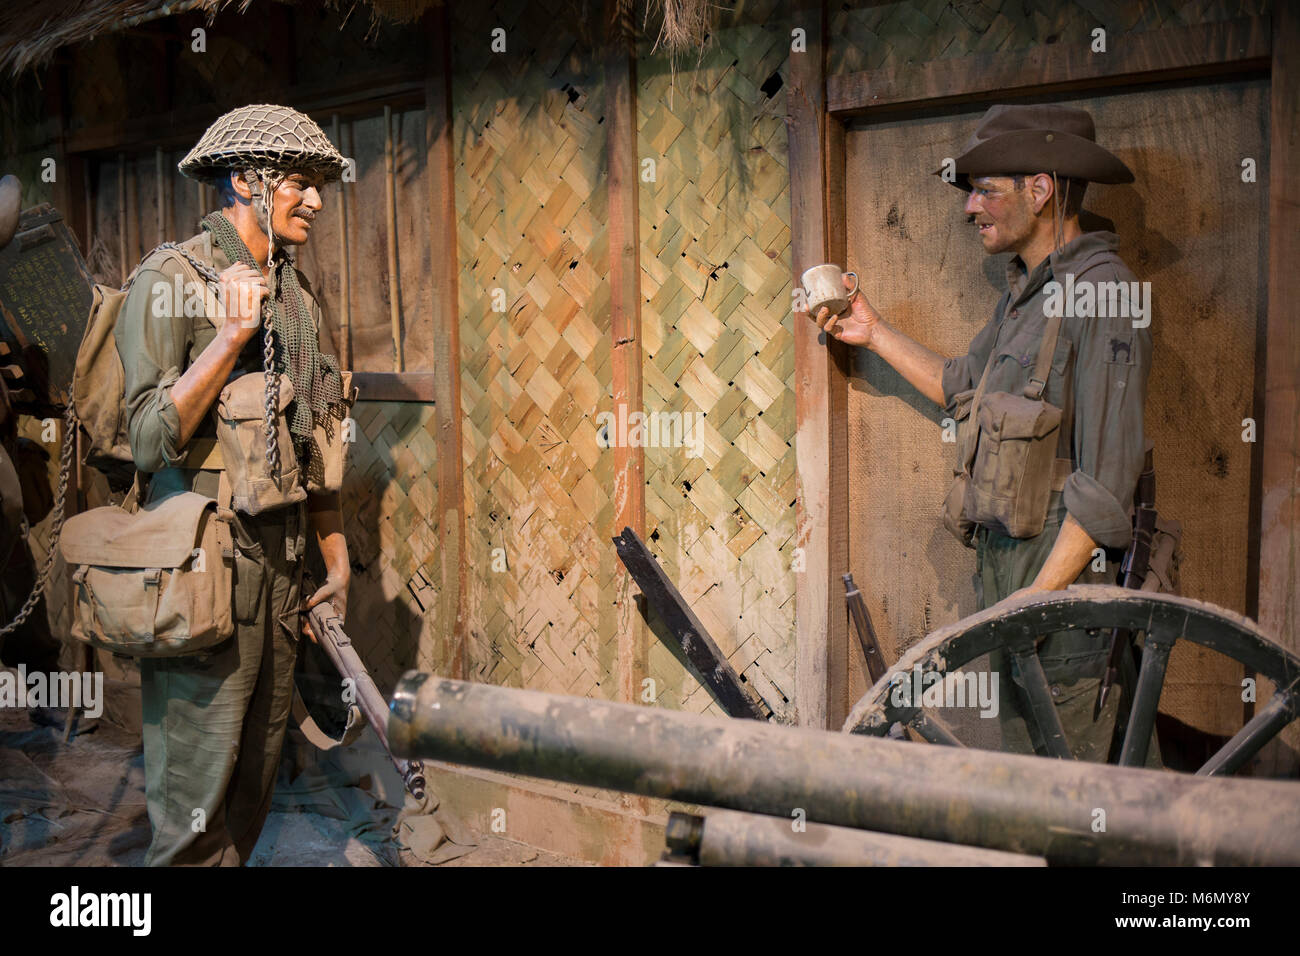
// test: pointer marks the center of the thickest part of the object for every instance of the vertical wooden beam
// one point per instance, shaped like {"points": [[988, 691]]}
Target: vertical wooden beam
{"points": [[390, 210], [67, 194], [1279, 533], [345, 265], [821, 384], [121, 215], [161, 194], [445, 313], [626, 356], [88, 203]]}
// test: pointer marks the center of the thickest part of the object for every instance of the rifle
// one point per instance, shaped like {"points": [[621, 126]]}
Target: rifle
{"points": [[1133, 572], [866, 631], [328, 628]]}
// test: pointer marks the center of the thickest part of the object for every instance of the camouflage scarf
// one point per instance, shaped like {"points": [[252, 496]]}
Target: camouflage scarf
{"points": [[317, 385]]}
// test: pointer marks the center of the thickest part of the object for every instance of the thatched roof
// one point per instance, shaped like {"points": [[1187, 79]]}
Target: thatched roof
{"points": [[31, 32]]}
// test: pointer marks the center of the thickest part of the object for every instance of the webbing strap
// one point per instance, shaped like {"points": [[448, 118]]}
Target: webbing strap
{"points": [[203, 454]]}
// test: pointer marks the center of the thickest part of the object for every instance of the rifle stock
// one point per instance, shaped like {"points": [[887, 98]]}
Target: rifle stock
{"points": [[328, 628]]}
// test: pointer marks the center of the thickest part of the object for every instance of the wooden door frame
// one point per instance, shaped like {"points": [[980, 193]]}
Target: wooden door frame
{"points": [[821, 106]]}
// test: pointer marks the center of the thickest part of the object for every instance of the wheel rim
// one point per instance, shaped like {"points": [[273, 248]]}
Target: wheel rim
{"points": [[1015, 624]]}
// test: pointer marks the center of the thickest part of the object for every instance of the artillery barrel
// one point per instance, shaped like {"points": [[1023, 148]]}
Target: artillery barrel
{"points": [[1066, 811], [728, 838]]}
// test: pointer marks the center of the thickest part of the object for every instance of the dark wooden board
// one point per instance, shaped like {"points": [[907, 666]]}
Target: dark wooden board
{"points": [[667, 602], [1159, 55], [394, 386], [45, 296]]}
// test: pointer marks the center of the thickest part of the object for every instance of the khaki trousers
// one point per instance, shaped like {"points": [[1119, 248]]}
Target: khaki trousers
{"points": [[214, 723]]}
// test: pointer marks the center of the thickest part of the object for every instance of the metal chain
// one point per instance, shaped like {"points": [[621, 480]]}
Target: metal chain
{"points": [[56, 526], [268, 357], [272, 392], [270, 180]]}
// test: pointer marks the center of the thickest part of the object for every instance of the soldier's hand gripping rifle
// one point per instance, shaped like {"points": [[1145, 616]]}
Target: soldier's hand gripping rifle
{"points": [[328, 629], [1137, 561]]}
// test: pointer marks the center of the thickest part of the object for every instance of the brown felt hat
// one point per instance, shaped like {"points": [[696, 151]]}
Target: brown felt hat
{"points": [[1014, 140]]}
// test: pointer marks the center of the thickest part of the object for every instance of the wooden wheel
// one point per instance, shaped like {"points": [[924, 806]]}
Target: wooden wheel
{"points": [[1165, 619]]}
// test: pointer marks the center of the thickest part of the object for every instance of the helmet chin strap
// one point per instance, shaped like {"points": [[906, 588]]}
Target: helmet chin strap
{"points": [[263, 183]]}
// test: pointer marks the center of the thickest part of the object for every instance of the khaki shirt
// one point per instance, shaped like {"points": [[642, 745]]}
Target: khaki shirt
{"points": [[1098, 378], [158, 342]]}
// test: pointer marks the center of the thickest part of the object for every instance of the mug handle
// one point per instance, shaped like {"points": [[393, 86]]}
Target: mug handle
{"points": [[855, 284]]}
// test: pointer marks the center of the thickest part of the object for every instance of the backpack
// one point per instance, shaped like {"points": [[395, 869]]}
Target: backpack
{"points": [[98, 382]]}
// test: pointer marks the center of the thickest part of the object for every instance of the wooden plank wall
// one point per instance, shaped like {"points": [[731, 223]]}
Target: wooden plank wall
{"points": [[868, 36]]}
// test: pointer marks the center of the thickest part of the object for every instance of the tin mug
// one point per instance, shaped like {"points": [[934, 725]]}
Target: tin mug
{"points": [[824, 287]]}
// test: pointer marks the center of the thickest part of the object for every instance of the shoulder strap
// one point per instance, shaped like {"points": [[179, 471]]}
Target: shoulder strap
{"points": [[1038, 380], [972, 427]]}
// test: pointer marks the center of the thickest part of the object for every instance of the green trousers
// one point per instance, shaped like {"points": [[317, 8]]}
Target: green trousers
{"points": [[214, 723], [1073, 661]]}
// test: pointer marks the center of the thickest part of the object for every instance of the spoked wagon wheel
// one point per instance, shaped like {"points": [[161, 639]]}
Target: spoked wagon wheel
{"points": [[1165, 619]]}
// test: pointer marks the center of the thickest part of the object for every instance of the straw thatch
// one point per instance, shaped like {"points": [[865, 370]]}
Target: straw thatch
{"points": [[31, 33]]}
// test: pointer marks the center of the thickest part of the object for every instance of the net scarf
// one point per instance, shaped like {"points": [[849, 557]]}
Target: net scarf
{"points": [[317, 385]]}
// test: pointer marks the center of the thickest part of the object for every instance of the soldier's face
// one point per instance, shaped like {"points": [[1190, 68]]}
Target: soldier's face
{"points": [[1003, 214], [297, 201]]}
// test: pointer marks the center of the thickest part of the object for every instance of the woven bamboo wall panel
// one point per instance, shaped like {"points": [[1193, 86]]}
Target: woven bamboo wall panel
{"points": [[390, 518], [716, 327], [531, 204], [876, 35]]}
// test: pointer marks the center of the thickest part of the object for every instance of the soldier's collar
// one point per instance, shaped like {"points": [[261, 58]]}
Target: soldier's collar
{"points": [[1069, 258]]}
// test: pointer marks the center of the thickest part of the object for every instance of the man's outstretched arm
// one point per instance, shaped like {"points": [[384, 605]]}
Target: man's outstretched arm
{"points": [[863, 326]]}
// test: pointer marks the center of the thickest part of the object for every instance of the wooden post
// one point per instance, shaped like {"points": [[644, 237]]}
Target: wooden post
{"points": [[121, 214], [390, 206], [88, 201], [626, 355], [161, 194], [821, 392], [1279, 532], [345, 268], [445, 314]]}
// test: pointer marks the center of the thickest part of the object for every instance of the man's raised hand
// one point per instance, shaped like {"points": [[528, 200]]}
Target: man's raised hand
{"points": [[855, 327], [242, 289]]}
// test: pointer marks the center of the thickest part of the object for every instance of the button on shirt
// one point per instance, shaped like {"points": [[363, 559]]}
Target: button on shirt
{"points": [[1098, 375]]}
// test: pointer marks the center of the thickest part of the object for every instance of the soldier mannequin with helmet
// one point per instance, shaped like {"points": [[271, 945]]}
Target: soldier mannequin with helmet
{"points": [[214, 723]]}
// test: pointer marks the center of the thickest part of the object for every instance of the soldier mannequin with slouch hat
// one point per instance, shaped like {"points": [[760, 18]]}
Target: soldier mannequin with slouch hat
{"points": [[1025, 169], [214, 723]]}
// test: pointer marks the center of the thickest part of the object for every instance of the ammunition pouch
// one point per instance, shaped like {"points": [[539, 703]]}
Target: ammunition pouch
{"points": [[240, 413], [1015, 468], [333, 446], [156, 582], [1008, 464]]}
